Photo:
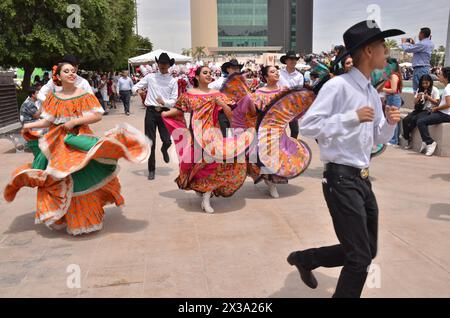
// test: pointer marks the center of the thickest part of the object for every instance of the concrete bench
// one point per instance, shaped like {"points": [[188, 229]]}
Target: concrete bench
{"points": [[440, 133], [12, 133]]}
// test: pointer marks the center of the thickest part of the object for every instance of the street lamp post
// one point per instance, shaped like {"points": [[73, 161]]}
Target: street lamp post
{"points": [[447, 51]]}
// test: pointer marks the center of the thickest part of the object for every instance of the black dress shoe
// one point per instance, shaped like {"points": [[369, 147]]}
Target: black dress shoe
{"points": [[306, 275], [166, 156], [151, 175]]}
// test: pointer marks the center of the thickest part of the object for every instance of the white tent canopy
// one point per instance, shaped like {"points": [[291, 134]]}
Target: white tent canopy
{"points": [[149, 58], [406, 64]]}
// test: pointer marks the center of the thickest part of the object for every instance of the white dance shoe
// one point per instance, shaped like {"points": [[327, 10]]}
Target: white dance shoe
{"points": [[206, 204], [272, 189]]}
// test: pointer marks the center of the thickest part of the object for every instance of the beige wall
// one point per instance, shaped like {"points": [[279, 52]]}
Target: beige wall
{"points": [[204, 23]]}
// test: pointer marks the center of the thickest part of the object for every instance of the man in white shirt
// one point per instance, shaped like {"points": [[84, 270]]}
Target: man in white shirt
{"points": [[125, 86], [228, 69], [347, 120], [291, 78], [52, 87], [162, 93]]}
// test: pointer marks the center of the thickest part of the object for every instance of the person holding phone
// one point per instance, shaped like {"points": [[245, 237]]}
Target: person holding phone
{"points": [[427, 96], [422, 54]]}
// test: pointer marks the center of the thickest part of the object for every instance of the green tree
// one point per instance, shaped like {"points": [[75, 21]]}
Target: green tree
{"points": [[186, 52], [142, 44], [36, 33], [391, 44], [199, 52], [437, 58]]}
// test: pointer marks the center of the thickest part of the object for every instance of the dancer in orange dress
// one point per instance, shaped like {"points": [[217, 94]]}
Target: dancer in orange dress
{"points": [[215, 171], [75, 172]]}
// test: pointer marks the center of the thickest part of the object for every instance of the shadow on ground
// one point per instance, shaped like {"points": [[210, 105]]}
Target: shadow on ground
{"points": [[295, 288], [114, 222], [190, 202], [439, 212], [445, 177], [163, 171]]}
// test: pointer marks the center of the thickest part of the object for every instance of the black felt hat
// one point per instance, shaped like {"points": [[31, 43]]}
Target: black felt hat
{"points": [[231, 63], [289, 55], [364, 33], [164, 58]]}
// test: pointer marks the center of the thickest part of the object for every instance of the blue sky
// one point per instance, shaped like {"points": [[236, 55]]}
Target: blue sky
{"points": [[167, 22]]}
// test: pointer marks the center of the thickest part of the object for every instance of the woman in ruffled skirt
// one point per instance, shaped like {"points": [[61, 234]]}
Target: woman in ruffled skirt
{"points": [[75, 173]]}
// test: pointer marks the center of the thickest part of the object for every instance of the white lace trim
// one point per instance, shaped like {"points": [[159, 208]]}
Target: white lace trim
{"points": [[111, 162], [63, 120], [57, 227], [85, 230], [51, 217], [136, 134]]}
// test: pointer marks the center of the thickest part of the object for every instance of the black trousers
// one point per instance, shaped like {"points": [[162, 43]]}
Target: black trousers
{"points": [[410, 122], [153, 120], [293, 125], [125, 96], [435, 118], [224, 123], [354, 210]]}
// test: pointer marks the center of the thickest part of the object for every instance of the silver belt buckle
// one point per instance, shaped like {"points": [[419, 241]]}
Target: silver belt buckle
{"points": [[364, 173], [158, 109]]}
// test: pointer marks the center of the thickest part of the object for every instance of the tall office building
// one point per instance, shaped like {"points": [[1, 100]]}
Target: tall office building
{"points": [[291, 24], [204, 24], [242, 23], [252, 25]]}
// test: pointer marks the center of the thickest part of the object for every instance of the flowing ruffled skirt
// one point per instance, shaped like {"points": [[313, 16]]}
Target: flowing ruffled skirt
{"points": [[76, 175]]}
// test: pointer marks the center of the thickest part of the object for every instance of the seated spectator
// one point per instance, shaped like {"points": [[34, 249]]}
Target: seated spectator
{"points": [[427, 97], [437, 115], [29, 111], [37, 80]]}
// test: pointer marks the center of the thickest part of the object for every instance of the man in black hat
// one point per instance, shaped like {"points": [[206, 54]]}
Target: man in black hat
{"points": [[347, 120], [228, 69], [52, 87], [291, 78], [162, 94]]}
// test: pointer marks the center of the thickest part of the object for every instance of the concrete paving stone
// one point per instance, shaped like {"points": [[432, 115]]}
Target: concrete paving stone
{"points": [[160, 244]]}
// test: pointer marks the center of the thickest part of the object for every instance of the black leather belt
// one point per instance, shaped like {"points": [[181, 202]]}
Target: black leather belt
{"points": [[158, 109], [347, 171]]}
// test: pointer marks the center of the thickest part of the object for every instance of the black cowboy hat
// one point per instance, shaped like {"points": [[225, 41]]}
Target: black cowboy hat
{"points": [[289, 55], [231, 63], [364, 33], [164, 58]]}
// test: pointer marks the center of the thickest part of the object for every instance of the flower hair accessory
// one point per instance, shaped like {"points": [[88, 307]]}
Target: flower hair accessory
{"points": [[191, 74], [54, 77]]}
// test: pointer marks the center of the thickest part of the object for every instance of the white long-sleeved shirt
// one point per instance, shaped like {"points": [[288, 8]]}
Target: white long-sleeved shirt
{"points": [[333, 121], [217, 84], [124, 84], [159, 85], [291, 80], [51, 87]]}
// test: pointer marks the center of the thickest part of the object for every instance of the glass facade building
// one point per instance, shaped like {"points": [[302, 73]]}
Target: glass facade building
{"points": [[242, 23]]}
